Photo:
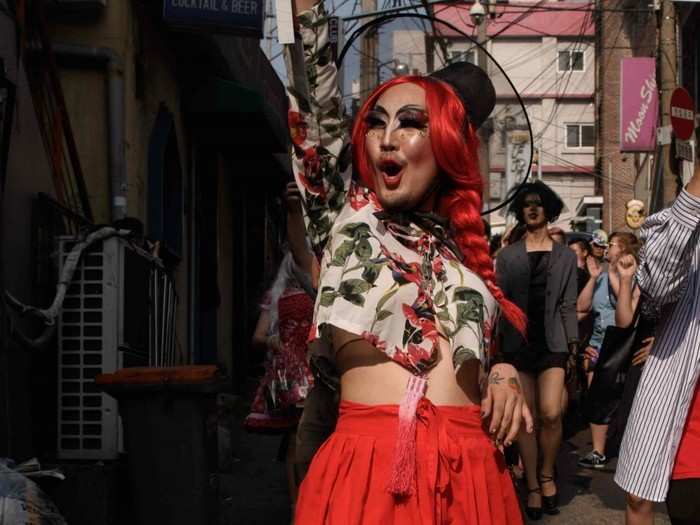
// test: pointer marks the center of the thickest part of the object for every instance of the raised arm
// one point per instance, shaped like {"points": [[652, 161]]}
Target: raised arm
{"points": [[628, 292], [585, 298], [296, 232], [317, 122], [669, 238]]}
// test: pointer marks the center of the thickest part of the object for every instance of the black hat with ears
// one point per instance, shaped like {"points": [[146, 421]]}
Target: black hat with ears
{"points": [[473, 86]]}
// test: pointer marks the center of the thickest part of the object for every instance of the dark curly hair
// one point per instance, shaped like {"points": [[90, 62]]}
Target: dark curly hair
{"points": [[551, 202]]}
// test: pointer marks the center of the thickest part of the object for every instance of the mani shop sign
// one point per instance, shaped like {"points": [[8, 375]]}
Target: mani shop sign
{"points": [[227, 16], [639, 104]]}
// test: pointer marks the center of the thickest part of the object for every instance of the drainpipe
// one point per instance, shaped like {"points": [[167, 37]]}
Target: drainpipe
{"points": [[112, 62]]}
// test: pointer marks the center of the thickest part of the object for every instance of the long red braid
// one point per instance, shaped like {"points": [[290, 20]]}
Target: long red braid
{"points": [[456, 150]]}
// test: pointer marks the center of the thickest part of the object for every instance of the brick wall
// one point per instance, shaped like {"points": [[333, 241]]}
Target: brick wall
{"points": [[621, 176]]}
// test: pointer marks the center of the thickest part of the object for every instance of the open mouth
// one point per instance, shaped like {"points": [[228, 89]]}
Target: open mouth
{"points": [[391, 172]]}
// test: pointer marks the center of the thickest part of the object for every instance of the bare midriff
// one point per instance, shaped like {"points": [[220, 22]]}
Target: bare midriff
{"points": [[369, 377]]}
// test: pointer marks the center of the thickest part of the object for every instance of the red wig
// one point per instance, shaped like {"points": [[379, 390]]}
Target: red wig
{"points": [[456, 150]]}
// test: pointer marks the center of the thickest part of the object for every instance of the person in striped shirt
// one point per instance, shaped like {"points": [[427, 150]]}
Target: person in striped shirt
{"points": [[659, 458]]}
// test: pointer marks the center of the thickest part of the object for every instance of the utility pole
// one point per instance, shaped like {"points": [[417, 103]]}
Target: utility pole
{"points": [[666, 60], [486, 130], [369, 58]]}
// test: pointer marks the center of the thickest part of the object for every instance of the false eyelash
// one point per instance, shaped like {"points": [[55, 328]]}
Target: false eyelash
{"points": [[372, 122], [413, 123]]}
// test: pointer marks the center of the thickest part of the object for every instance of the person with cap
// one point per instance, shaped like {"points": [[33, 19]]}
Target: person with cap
{"points": [[599, 243], [539, 275], [407, 299]]}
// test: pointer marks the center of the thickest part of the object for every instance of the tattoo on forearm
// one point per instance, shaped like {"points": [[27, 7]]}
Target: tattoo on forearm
{"points": [[514, 384], [495, 378]]}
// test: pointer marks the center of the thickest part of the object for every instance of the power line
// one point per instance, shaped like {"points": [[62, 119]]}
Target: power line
{"points": [[595, 172]]}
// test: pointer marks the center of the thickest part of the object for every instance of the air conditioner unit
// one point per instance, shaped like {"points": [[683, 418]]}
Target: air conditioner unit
{"points": [[119, 312]]}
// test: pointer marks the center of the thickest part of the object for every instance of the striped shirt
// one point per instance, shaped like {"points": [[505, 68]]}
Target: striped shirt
{"points": [[670, 282]]}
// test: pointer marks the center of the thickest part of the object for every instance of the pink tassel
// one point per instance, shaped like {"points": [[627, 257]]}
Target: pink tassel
{"points": [[403, 469]]}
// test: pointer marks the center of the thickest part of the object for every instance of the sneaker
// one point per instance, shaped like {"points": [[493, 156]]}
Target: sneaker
{"points": [[593, 460]]}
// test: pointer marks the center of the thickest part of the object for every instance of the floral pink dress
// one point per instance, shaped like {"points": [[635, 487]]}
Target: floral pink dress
{"points": [[287, 377]]}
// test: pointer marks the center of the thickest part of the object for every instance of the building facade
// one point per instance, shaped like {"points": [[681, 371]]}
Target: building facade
{"points": [[112, 113], [549, 55]]}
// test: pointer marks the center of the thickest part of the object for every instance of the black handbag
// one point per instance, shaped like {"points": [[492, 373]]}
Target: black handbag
{"points": [[608, 383]]}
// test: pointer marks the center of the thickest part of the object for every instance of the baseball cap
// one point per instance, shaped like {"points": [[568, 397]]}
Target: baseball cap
{"points": [[600, 238]]}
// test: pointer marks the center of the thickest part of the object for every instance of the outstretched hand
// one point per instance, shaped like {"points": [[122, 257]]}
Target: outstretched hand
{"points": [[504, 404], [593, 266]]}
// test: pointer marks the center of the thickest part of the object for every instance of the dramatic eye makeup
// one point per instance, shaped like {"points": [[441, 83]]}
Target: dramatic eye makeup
{"points": [[408, 116], [413, 118]]}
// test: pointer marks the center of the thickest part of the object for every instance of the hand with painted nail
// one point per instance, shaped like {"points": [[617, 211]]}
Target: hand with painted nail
{"points": [[503, 404]]}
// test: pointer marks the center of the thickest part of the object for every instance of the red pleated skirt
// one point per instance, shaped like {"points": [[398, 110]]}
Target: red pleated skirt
{"points": [[460, 476]]}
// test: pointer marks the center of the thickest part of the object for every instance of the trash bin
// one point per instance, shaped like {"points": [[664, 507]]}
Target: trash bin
{"points": [[171, 450]]}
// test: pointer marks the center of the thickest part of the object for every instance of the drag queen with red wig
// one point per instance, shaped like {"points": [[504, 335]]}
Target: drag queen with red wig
{"points": [[406, 300]]}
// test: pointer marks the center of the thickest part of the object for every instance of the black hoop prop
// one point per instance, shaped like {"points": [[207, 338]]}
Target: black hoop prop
{"points": [[380, 20]]}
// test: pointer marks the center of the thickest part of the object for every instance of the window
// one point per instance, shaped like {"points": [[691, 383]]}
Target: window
{"points": [[570, 60], [165, 192], [462, 56], [580, 135]]}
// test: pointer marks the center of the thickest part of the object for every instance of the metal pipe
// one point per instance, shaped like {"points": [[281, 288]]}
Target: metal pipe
{"points": [[156, 326], [171, 341], [173, 345], [166, 320], [163, 315], [151, 320], [114, 66]]}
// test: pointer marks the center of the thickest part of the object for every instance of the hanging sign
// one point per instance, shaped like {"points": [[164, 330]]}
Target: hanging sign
{"points": [[639, 104], [517, 158], [685, 150], [226, 16]]}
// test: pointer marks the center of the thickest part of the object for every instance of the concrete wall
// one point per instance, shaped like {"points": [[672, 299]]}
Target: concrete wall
{"points": [[142, 47], [408, 46], [28, 172]]}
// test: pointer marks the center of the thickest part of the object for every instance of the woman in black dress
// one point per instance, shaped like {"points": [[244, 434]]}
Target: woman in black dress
{"points": [[539, 275]]}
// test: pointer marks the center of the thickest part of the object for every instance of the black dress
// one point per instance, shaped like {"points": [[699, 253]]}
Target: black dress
{"points": [[535, 357]]}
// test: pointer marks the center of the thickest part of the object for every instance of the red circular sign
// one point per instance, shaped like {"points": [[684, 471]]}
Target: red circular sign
{"points": [[682, 113]]}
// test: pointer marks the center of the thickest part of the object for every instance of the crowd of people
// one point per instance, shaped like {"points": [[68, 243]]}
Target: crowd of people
{"points": [[417, 365]]}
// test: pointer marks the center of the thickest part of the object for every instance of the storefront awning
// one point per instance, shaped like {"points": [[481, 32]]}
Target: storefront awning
{"points": [[227, 113]]}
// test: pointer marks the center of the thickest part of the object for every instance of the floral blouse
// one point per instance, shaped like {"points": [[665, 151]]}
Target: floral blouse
{"points": [[395, 283]]}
